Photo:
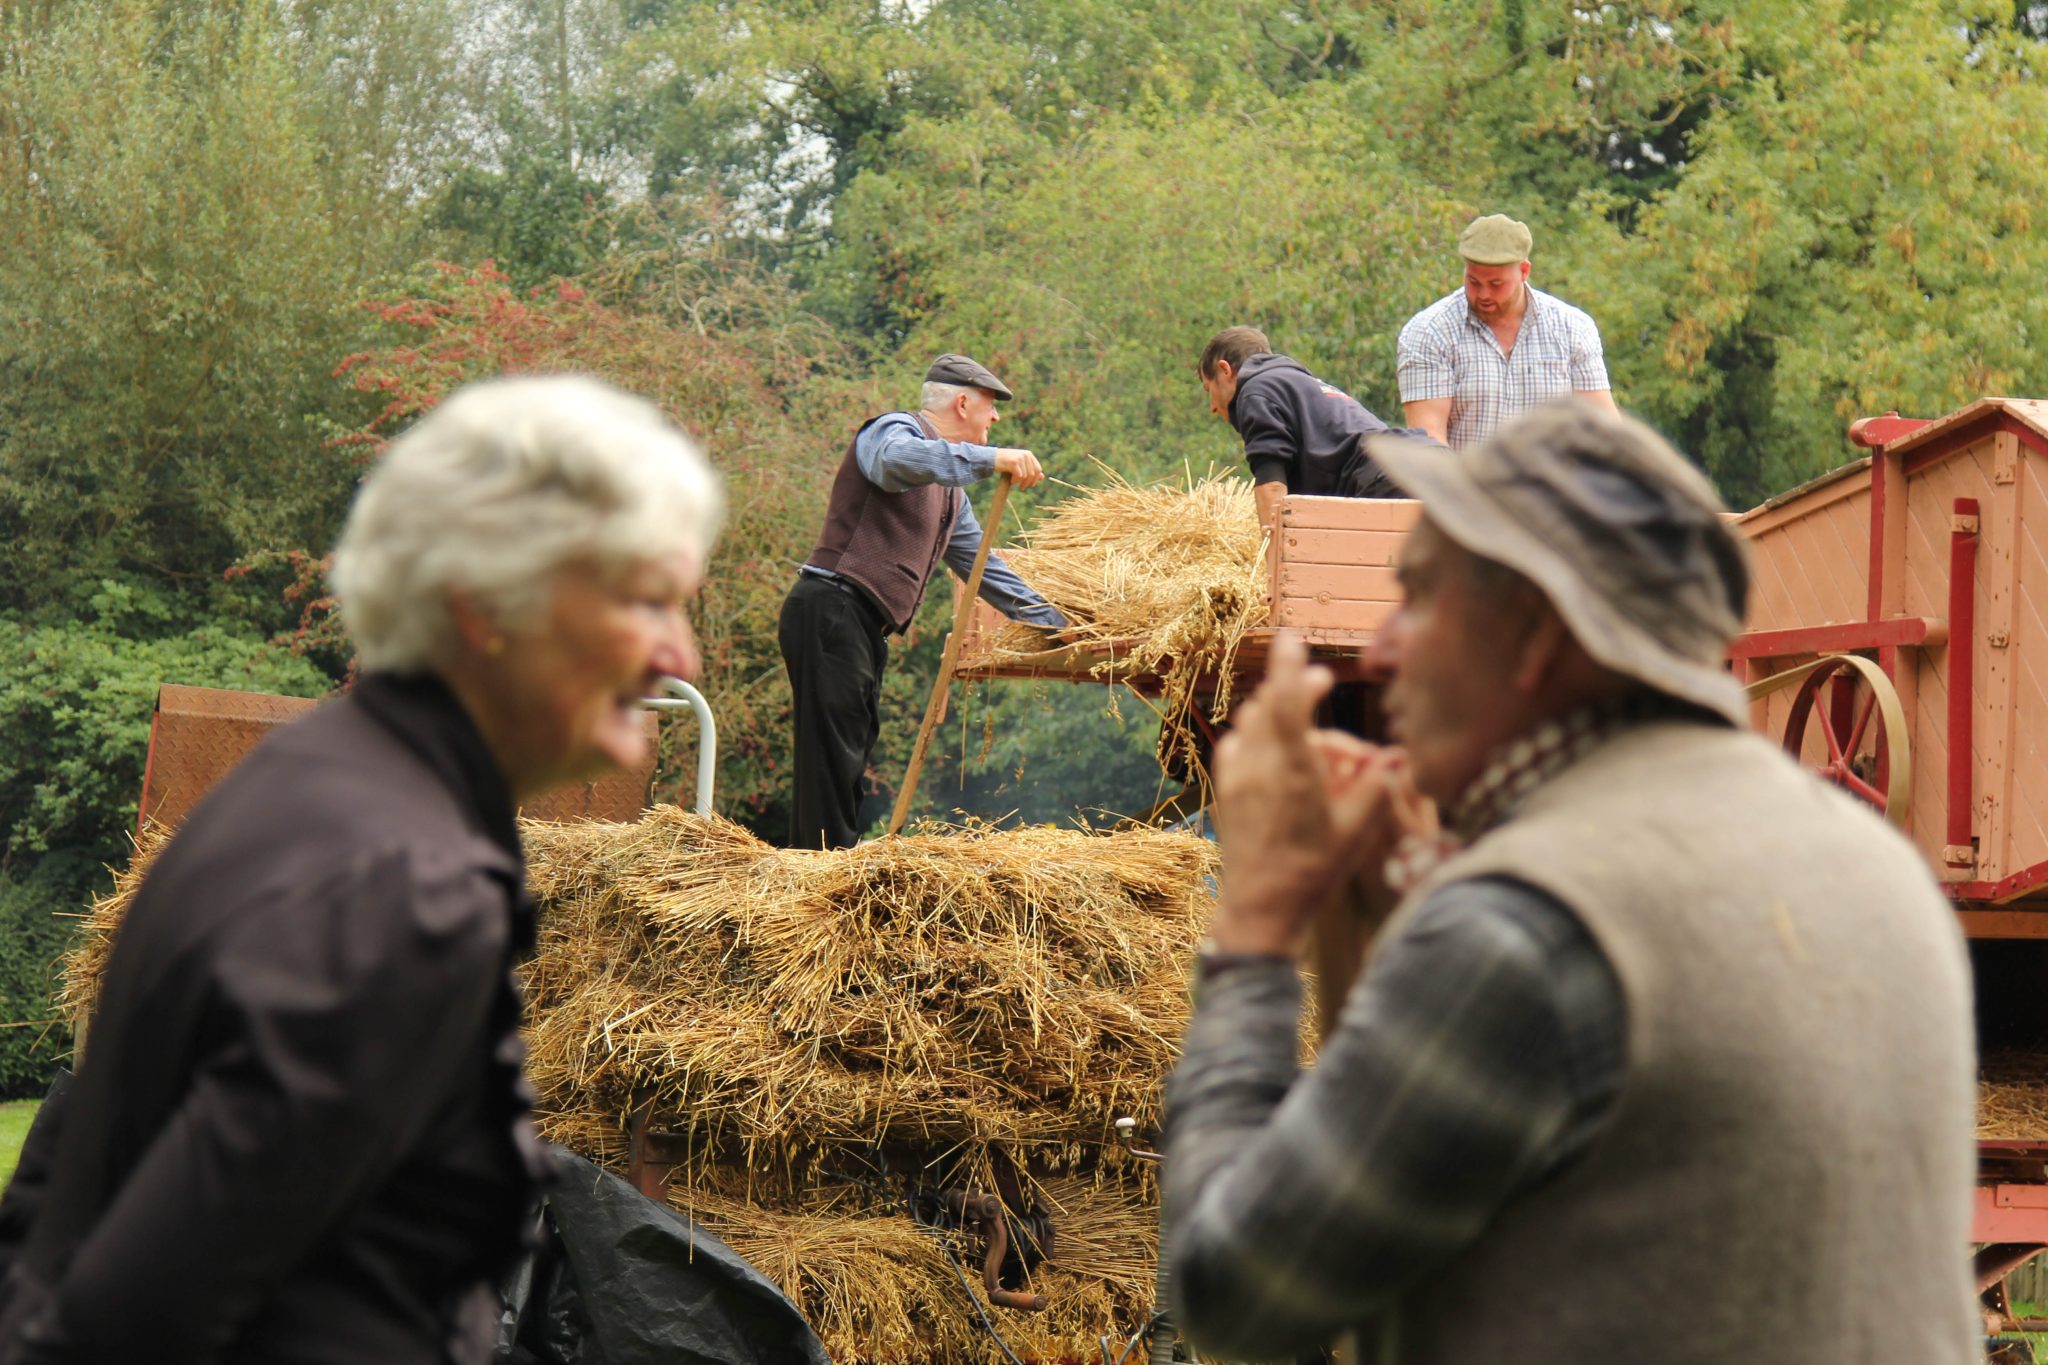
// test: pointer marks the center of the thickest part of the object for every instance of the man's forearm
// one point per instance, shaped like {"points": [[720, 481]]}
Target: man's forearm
{"points": [[1432, 415], [1301, 1203], [1267, 497], [895, 459]]}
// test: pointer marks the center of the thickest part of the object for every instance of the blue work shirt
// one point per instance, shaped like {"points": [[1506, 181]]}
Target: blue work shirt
{"points": [[896, 455]]}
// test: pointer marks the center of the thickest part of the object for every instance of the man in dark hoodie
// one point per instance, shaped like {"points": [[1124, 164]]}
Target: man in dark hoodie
{"points": [[1301, 435]]}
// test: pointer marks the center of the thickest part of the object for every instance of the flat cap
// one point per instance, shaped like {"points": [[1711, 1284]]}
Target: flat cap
{"points": [[1617, 529], [1495, 239], [953, 368]]}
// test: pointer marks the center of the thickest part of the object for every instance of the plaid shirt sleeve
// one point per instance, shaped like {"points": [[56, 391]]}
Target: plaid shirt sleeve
{"points": [[1481, 1051], [1589, 359], [1425, 362]]}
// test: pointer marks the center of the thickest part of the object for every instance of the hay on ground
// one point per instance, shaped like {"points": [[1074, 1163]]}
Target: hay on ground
{"points": [[2012, 1095], [817, 1035]]}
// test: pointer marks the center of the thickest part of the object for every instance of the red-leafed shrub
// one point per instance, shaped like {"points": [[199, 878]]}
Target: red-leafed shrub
{"points": [[726, 351]]}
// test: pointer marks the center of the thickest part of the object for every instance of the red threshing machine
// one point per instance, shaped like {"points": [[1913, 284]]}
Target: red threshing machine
{"points": [[1898, 644]]}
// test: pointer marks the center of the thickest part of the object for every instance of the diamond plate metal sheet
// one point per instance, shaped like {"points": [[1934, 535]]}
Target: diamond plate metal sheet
{"points": [[200, 733]]}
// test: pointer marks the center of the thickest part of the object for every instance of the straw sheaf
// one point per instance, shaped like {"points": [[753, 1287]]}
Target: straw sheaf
{"points": [[818, 1034], [78, 985], [2012, 1096], [878, 1286], [1169, 579], [1023, 986]]}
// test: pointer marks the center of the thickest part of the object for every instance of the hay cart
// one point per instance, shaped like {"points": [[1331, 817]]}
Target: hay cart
{"points": [[1330, 577]]}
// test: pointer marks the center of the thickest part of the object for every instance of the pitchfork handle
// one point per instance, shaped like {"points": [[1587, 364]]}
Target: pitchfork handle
{"points": [[951, 658]]}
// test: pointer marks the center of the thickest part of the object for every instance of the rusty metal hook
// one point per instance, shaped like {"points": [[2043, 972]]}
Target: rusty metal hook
{"points": [[987, 1210]]}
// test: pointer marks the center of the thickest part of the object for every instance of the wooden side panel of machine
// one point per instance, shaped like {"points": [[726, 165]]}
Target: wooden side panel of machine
{"points": [[1333, 564], [196, 736], [2007, 479], [1810, 566], [2011, 807], [2027, 747], [1932, 490], [1810, 554]]}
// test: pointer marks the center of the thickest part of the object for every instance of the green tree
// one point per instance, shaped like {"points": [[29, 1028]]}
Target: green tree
{"points": [[77, 697], [725, 351], [1845, 241], [179, 276], [1093, 281]]}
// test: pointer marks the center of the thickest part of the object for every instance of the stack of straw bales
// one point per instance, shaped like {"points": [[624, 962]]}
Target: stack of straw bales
{"points": [[1167, 581], [2012, 1095], [934, 1006]]}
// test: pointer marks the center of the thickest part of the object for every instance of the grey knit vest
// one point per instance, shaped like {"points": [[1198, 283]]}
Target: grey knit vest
{"points": [[1786, 1177]]}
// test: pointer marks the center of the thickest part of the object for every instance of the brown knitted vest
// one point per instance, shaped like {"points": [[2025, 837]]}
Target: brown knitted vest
{"points": [[887, 544], [1786, 1176]]}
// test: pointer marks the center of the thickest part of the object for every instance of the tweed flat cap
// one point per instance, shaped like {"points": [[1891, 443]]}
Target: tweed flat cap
{"points": [[1616, 528], [1495, 239], [952, 368]]}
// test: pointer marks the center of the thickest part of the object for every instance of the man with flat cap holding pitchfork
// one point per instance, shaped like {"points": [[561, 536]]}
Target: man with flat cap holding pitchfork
{"points": [[897, 509]]}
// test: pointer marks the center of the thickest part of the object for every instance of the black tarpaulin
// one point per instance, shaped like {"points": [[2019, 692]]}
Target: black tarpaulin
{"points": [[623, 1280]]}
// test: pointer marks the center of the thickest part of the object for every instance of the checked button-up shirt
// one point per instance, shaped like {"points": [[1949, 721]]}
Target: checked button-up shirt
{"points": [[1446, 352]]}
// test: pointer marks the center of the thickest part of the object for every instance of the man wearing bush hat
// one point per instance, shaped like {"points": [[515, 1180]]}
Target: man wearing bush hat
{"points": [[1663, 1048], [896, 511], [1495, 348]]}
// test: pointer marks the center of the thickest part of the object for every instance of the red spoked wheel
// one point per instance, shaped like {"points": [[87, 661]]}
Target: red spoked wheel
{"points": [[1848, 725]]}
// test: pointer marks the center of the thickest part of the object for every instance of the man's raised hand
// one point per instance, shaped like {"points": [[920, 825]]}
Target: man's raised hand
{"points": [[1291, 807], [1020, 465]]}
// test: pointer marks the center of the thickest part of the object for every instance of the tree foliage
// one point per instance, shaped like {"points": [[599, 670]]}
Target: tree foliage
{"points": [[77, 698], [1846, 240], [767, 215], [724, 350], [178, 265]]}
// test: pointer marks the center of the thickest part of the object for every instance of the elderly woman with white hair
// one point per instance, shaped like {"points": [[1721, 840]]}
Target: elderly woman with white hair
{"points": [[301, 1134]]}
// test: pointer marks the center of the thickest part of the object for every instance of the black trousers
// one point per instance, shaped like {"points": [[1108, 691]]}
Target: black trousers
{"points": [[834, 646]]}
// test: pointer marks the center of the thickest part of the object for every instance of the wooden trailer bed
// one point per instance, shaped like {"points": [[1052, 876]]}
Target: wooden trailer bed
{"points": [[1331, 577]]}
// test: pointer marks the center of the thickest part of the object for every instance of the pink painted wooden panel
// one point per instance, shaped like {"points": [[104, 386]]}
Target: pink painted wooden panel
{"points": [[1350, 582], [1810, 557], [2028, 754], [1314, 545], [1349, 514], [1930, 503]]}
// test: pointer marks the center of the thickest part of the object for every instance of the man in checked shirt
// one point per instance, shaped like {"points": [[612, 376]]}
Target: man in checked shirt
{"points": [[1664, 1052], [1495, 347]]}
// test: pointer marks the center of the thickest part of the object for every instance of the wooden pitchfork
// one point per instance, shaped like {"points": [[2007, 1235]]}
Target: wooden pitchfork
{"points": [[951, 658]]}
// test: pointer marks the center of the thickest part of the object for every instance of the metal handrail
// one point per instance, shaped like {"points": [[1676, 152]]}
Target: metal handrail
{"points": [[683, 697]]}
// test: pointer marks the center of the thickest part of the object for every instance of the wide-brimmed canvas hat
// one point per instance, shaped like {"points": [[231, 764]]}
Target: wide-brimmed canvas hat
{"points": [[1619, 531]]}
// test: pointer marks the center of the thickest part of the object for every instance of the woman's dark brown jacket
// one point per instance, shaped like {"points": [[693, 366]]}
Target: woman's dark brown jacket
{"points": [[299, 1134]]}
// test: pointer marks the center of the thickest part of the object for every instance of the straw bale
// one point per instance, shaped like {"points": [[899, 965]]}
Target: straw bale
{"points": [[78, 985], [1169, 579], [879, 1286], [794, 1017], [2012, 1095], [1022, 985], [941, 1002]]}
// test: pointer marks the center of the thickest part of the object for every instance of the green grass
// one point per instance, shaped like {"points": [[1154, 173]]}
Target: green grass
{"points": [[15, 1117], [2039, 1340]]}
